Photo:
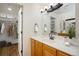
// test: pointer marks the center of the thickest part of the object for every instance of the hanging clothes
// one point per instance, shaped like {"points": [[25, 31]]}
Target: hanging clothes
{"points": [[2, 28], [15, 30], [9, 30]]}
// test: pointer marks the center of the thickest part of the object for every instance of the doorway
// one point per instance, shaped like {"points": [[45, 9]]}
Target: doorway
{"points": [[10, 29]]}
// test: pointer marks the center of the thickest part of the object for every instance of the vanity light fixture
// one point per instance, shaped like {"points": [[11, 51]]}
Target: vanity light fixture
{"points": [[52, 7], [41, 10], [46, 8]]}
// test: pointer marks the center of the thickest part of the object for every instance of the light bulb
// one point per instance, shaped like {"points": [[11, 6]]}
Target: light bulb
{"points": [[9, 9], [41, 10], [53, 4], [46, 7]]}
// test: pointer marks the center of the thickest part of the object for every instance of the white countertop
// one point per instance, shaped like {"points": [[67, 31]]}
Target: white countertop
{"points": [[58, 43]]}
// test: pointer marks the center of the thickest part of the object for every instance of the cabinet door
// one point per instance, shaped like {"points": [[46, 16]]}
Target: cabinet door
{"points": [[32, 47], [48, 51], [60, 53], [38, 48]]}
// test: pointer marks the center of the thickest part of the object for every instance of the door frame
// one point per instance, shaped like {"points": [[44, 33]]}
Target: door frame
{"points": [[21, 32]]}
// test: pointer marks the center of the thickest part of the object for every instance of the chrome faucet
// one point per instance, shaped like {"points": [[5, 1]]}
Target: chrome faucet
{"points": [[51, 35]]}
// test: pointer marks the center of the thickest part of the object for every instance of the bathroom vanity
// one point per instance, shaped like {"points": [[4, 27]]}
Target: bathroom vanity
{"points": [[43, 46]]}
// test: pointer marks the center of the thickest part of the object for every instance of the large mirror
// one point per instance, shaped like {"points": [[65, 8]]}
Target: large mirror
{"points": [[69, 23], [62, 21]]}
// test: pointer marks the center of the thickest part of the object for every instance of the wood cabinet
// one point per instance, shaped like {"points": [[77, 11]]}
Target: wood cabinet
{"points": [[60, 53], [40, 49], [36, 48], [48, 51], [32, 47]]}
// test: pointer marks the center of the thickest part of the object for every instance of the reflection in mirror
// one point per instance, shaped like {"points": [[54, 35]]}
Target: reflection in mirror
{"points": [[52, 24], [35, 28], [70, 27], [68, 23], [45, 28]]}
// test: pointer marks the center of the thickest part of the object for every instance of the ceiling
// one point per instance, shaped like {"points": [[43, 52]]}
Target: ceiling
{"points": [[4, 8]]}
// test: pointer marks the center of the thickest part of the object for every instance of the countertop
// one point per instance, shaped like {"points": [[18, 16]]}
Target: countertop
{"points": [[58, 43]]}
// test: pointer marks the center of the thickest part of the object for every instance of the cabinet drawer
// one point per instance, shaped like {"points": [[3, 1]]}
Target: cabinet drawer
{"points": [[38, 48], [48, 51]]}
